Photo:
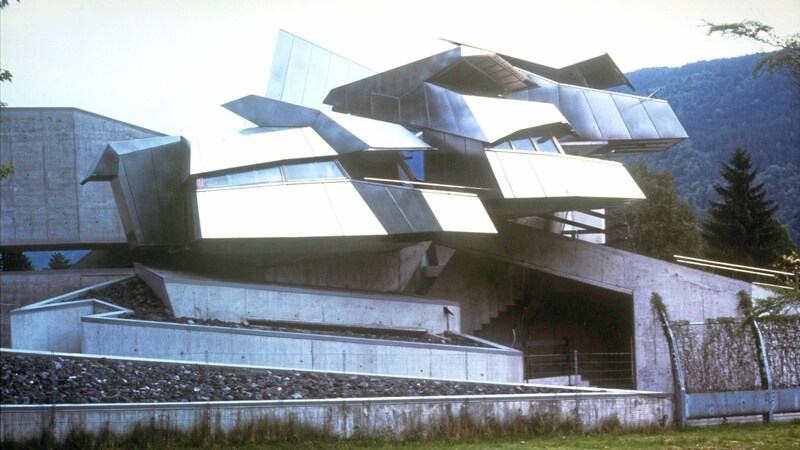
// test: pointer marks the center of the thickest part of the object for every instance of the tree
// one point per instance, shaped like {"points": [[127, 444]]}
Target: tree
{"points": [[15, 261], [786, 59], [662, 225], [6, 169], [741, 229], [58, 261]]}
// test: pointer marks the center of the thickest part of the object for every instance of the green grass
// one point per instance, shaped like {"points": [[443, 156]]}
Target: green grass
{"points": [[775, 436]]}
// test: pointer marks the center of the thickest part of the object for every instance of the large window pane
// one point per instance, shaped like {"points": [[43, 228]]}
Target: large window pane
{"points": [[523, 144], [255, 176], [546, 144], [312, 171]]}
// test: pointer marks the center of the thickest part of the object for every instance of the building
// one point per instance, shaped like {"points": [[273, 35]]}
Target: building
{"points": [[469, 183]]}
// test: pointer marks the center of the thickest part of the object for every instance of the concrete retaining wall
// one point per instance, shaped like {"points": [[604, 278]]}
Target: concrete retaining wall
{"points": [[383, 417], [233, 302], [19, 289], [124, 337]]}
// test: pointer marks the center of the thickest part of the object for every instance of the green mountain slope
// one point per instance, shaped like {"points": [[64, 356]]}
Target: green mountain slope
{"points": [[721, 107]]}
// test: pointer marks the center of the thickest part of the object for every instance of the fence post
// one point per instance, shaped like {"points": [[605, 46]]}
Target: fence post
{"points": [[675, 358], [766, 372], [575, 367]]}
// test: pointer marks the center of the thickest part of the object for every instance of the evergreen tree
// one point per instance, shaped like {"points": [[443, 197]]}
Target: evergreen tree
{"points": [[58, 261], [663, 224], [741, 229], [15, 261]]}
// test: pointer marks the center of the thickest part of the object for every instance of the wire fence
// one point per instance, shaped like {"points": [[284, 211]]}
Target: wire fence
{"points": [[609, 370]]}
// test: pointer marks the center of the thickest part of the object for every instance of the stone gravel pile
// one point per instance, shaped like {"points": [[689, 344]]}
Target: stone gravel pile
{"points": [[38, 379]]}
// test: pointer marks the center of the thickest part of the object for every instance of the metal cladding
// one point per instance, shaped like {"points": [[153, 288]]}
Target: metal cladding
{"points": [[343, 132], [146, 177], [302, 73], [423, 93], [446, 144]]}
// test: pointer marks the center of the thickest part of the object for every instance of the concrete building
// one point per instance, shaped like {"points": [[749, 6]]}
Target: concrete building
{"points": [[450, 180]]}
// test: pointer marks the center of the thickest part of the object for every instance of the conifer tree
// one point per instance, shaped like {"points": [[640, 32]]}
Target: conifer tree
{"points": [[741, 228], [58, 261], [15, 261]]}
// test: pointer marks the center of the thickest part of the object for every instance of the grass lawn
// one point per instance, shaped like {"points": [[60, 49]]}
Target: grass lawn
{"points": [[776, 436]]}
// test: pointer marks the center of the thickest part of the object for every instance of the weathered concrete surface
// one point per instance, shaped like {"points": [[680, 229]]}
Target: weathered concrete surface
{"points": [[193, 296], [689, 294], [124, 337], [42, 204], [378, 417], [18, 289]]}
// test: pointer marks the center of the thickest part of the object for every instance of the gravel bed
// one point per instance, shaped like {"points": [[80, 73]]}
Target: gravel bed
{"points": [[136, 295], [40, 379]]}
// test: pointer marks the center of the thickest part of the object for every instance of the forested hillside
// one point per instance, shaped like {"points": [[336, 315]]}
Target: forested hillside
{"points": [[722, 107]]}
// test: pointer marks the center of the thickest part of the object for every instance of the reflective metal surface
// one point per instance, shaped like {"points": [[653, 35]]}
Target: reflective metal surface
{"points": [[344, 133], [531, 175], [304, 73], [431, 91], [147, 184]]}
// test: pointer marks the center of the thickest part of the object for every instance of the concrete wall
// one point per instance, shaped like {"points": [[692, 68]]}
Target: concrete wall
{"points": [[389, 271], [55, 328], [18, 289], [123, 337], [52, 149], [378, 417], [689, 294], [233, 302]]}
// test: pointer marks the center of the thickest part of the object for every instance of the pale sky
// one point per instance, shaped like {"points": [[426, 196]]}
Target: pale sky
{"points": [[167, 65]]}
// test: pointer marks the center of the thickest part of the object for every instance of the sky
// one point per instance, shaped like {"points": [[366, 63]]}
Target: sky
{"points": [[167, 65]]}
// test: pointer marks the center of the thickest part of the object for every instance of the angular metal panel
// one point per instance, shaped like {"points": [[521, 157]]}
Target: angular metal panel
{"points": [[338, 136], [357, 98], [458, 212], [499, 118], [607, 115], [285, 210], [413, 108], [378, 135], [316, 80], [575, 107], [267, 112], [466, 123], [280, 65], [521, 176], [383, 206], [439, 110], [385, 107], [664, 119], [500, 174], [297, 71], [140, 172], [231, 150], [415, 209], [353, 214], [635, 116], [573, 176]]}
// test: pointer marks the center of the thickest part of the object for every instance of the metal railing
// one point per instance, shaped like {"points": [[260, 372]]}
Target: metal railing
{"points": [[609, 370]]}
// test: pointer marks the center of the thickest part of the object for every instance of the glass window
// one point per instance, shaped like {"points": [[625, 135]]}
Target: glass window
{"points": [[255, 176], [523, 144], [312, 171], [503, 145], [546, 144]]}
